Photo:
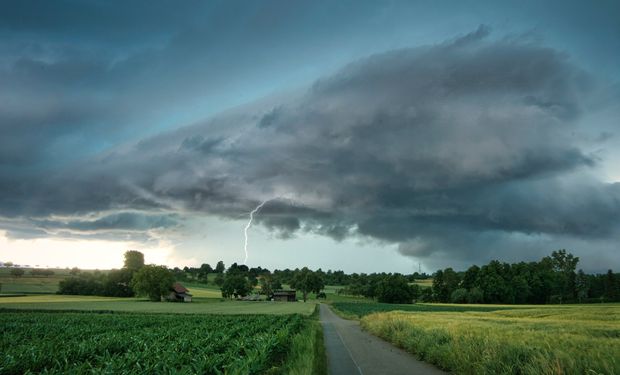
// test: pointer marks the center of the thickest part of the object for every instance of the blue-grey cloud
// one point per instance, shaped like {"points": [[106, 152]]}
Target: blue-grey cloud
{"points": [[426, 147]]}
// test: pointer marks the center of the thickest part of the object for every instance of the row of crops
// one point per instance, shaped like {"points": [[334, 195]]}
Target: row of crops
{"points": [[361, 309], [144, 344]]}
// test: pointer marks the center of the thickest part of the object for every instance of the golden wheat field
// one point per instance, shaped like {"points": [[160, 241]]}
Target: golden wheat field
{"points": [[547, 340]]}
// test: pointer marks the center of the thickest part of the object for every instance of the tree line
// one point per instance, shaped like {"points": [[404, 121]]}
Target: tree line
{"points": [[553, 279], [115, 283], [19, 272]]}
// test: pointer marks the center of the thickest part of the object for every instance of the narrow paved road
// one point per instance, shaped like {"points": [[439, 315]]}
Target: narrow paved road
{"points": [[352, 351]]}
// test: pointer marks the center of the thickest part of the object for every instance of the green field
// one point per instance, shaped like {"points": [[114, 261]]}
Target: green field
{"points": [[149, 343], [207, 306], [578, 339], [29, 284], [425, 283]]}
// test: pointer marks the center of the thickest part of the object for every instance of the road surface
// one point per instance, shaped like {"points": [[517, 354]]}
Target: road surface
{"points": [[351, 351]]}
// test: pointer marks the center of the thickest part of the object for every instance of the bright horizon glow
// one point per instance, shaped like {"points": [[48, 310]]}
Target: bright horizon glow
{"points": [[62, 253]]}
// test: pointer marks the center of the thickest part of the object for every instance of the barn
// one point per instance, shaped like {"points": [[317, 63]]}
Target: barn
{"points": [[179, 293], [285, 295]]}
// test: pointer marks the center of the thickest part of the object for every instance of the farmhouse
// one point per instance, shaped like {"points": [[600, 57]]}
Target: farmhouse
{"points": [[179, 293], [285, 295]]}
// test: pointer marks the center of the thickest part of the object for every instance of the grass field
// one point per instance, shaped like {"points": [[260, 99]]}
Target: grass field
{"points": [[155, 343], [30, 284], [574, 339], [206, 306], [425, 283]]}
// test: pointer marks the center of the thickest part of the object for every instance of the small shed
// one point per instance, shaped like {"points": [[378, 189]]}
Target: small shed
{"points": [[179, 293], [285, 295]]}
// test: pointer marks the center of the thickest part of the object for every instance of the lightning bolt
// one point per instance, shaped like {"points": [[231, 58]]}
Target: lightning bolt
{"points": [[248, 225]]}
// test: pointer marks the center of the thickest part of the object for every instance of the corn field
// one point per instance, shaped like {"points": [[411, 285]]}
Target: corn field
{"points": [[113, 343]]}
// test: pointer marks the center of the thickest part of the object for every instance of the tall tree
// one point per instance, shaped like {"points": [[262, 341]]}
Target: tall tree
{"points": [[611, 286], [235, 285], [134, 260], [307, 281], [440, 293], [394, 289], [152, 281], [203, 272], [564, 264], [493, 284], [470, 277], [220, 267], [444, 283], [581, 286]]}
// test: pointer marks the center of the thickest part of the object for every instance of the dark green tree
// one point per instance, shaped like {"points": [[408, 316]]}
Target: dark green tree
{"points": [[564, 264], [426, 295], [521, 289], [235, 285], [611, 286], [460, 295], [152, 281], [220, 267], [266, 285], [117, 283], [444, 283], [203, 272], [470, 277], [439, 287], [493, 285], [394, 289], [134, 260], [582, 286], [475, 295], [307, 281], [219, 279]]}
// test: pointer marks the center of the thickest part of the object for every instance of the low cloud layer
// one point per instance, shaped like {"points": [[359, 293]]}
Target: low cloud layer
{"points": [[446, 149]]}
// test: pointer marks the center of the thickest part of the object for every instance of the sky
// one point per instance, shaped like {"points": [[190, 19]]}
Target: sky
{"points": [[390, 136]]}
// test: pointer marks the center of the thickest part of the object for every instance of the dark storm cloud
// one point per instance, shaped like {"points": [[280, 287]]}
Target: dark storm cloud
{"points": [[119, 221], [78, 76], [436, 148]]}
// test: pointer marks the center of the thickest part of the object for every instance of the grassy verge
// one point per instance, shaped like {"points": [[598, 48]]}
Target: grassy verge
{"points": [[550, 340], [307, 354]]}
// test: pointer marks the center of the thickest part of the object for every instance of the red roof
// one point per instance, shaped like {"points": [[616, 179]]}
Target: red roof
{"points": [[179, 288]]}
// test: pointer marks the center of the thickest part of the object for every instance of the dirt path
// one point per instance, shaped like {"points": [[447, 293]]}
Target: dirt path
{"points": [[353, 351]]}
